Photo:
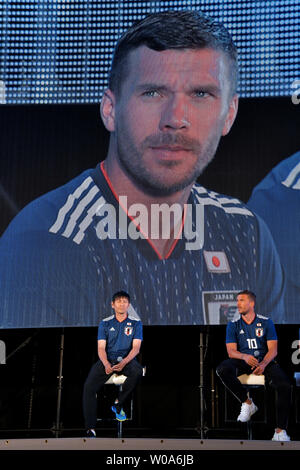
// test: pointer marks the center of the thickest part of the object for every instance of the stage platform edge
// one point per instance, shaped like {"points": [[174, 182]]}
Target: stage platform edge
{"points": [[158, 445]]}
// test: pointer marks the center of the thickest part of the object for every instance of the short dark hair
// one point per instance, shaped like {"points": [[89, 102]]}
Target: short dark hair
{"points": [[250, 294], [120, 294], [183, 29]]}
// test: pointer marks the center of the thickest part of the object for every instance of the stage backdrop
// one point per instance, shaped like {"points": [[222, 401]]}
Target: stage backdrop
{"points": [[63, 253]]}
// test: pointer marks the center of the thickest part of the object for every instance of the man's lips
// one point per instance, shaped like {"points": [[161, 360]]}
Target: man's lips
{"points": [[170, 149]]}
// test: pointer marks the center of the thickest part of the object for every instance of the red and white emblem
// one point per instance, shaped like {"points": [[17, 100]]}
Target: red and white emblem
{"points": [[259, 332], [128, 330], [216, 262]]}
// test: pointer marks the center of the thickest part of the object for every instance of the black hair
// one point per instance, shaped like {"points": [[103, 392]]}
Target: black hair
{"points": [[183, 29], [120, 294], [250, 294]]}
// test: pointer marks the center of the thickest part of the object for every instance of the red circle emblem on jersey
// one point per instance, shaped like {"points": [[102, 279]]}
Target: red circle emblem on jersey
{"points": [[216, 262]]}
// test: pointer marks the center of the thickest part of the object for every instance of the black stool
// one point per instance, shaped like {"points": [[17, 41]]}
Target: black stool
{"points": [[118, 380]]}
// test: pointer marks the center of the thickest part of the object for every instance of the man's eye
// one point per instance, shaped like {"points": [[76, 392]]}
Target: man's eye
{"points": [[151, 93], [201, 93]]}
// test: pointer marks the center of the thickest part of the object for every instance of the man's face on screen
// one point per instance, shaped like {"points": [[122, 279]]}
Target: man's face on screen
{"points": [[173, 107]]}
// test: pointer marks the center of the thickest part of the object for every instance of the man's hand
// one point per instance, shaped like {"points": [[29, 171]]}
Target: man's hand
{"points": [[118, 367], [259, 370], [251, 360], [108, 368]]}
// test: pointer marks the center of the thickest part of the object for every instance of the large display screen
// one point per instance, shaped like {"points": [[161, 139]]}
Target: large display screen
{"points": [[182, 259], [60, 51]]}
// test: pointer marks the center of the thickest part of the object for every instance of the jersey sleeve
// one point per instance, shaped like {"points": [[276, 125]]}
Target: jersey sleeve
{"points": [[276, 199], [45, 281], [102, 331], [230, 333], [138, 334], [271, 331]]}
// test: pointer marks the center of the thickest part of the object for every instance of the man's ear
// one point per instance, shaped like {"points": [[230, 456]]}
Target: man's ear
{"points": [[107, 110], [231, 114]]}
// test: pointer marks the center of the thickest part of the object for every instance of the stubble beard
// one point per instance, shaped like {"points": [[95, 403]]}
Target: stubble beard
{"points": [[245, 313], [132, 162]]}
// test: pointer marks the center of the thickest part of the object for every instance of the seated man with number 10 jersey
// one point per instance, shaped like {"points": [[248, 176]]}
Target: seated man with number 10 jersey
{"points": [[251, 343]]}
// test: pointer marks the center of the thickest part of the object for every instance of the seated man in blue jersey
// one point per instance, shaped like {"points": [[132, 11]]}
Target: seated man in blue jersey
{"points": [[119, 341], [251, 342], [276, 199], [139, 219]]}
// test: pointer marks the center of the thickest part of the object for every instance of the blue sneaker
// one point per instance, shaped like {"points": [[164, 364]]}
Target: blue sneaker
{"points": [[120, 415]]}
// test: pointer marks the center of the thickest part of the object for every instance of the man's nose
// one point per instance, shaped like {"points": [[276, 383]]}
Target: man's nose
{"points": [[175, 114]]}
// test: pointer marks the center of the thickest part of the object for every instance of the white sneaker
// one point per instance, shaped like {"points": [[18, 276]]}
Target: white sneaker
{"points": [[246, 412], [281, 436]]}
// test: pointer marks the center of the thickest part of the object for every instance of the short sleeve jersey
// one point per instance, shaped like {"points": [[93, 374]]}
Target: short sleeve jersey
{"points": [[119, 335], [251, 339]]}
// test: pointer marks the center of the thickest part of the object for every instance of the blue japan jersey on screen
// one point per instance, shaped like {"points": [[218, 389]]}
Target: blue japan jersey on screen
{"points": [[251, 339], [277, 200], [62, 259], [119, 335]]}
